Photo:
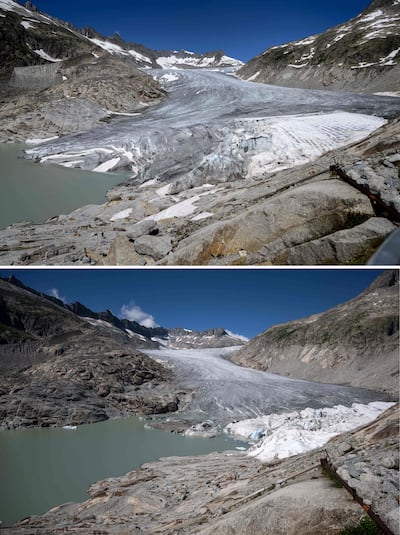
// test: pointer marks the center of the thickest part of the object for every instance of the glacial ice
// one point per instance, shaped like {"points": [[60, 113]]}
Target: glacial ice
{"points": [[291, 433], [225, 391], [213, 127]]}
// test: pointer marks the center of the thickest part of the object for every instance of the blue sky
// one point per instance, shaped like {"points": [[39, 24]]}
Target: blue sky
{"points": [[242, 28], [245, 301]]}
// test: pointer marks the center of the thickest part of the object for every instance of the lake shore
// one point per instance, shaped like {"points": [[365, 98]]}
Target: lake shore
{"points": [[232, 493], [34, 193]]}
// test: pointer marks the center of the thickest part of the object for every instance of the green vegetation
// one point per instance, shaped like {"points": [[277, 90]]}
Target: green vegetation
{"points": [[334, 480], [284, 332], [366, 526]]}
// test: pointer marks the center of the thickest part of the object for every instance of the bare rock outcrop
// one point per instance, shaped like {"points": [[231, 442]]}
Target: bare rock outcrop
{"points": [[356, 343], [230, 493], [359, 55]]}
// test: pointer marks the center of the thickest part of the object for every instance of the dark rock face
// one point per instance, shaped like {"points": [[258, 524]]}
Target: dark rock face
{"points": [[58, 369], [55, 80], [74, 390], [20, 41], [67, 365], [359, 55], [356, 343]]}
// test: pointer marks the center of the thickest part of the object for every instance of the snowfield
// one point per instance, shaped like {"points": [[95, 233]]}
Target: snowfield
{"points": [[213, 126]]}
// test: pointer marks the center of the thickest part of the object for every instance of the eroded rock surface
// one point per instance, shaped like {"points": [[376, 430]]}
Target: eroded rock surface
{"points": [[232, 493]]}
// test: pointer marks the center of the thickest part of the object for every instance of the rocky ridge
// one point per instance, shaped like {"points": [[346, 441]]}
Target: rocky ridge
{"points": [[310, 214], [344, 345], [30, 37], [233, 493], [58, 368], [361, 54], [57, 79]]}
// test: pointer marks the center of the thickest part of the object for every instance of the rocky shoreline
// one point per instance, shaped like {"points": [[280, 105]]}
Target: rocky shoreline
{"points": [[233, 493]]}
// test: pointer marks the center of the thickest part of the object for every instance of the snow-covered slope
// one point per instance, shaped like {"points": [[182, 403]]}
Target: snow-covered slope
{"points": [[182, 59], [165, 59], [29, 37], [153, 337], [212, 338], [362, 54]]}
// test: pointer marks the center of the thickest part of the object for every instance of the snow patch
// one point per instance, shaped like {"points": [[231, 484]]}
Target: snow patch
{"points": [[27, 24], [107, 165], [46, 56], [337, 38], [253, 77], [124, 114], [169, 77], [98, 322], [202, 215], [387, 61], [234, 335], [139, 57], [110, 47], [180, 209], [121, 215], [297, 66], [131, 334], [306, 41], [39, 141], [148, 183], [164, 190], [9, 5], [389, 93]]}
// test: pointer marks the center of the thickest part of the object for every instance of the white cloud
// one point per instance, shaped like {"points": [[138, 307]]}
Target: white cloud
{"points": [[133, 312], [241, 337], [55, 293]]}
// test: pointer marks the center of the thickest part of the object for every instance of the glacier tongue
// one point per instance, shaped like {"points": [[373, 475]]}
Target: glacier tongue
{"points": [[291, 433], [225, 392], [214, 126]]}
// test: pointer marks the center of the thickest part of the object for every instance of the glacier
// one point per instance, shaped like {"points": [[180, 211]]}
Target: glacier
{"points": [[214, 127], [291, 433], [225, 392]]}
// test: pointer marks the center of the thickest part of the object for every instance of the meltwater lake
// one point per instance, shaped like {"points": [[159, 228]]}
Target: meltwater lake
{"points": [[33, 192], [41, 468]]}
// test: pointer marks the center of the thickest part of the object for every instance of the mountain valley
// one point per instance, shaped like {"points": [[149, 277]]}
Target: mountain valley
{"points": [[222, 171], [65, 365]]}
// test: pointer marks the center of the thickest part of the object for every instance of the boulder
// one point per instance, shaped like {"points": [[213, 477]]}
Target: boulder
{"points": [[349, 246], [142, 228], [297, 215], [154, 246]]}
